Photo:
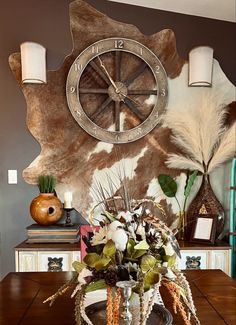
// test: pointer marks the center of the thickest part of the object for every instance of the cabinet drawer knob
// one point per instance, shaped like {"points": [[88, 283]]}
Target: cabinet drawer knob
{"points": [[55, 264], [193, 262]]}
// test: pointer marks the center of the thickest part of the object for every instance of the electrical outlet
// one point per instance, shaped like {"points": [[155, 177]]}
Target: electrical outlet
{"points": [[12, 176]]}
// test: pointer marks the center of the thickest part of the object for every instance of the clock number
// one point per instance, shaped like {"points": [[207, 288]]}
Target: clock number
{"points": [[72, 89], [78, 67], [141, 50], [139, 131], [163, 92], [95, 49], [157, 69], [78, 113], [119, 44]]}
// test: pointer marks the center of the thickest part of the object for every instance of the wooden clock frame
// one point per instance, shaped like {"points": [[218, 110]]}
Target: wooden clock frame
{"points": [[119, 92]]}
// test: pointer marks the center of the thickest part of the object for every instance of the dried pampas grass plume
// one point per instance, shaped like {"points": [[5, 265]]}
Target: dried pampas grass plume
{"points": [[211, 116], [226, 149], [182, 162], [201, 135], [185, 132]]}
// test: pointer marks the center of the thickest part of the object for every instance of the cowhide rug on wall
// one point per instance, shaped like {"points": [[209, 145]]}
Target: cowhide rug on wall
{"points": [[78, 160]]}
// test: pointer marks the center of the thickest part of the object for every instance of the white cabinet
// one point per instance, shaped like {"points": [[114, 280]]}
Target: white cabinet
{"points": [[45, 257], [205, 258]]}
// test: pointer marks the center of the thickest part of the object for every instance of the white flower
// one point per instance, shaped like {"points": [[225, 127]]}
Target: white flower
{"points": [[131, 229], [113, 227], [100, 237], [120, 239], [169, 249], [141, 231], [165, 264], [83, 274], [127, 215]]}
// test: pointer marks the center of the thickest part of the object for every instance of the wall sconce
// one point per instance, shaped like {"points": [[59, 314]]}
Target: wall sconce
{"points": [[33, 62], [200, 66]]}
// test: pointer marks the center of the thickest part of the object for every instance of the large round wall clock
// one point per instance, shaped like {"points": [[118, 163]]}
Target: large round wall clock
{"points": [[116, 90]]}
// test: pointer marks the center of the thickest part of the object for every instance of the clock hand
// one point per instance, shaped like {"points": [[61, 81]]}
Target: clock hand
{"points": [[108, 75], [126, 96], [118, 91]]}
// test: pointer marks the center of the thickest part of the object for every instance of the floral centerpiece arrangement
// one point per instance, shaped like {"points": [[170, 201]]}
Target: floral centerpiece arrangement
{"points": [[135, 246]]}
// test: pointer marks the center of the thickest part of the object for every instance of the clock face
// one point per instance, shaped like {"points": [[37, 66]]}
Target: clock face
{"points": [[116, 90]]}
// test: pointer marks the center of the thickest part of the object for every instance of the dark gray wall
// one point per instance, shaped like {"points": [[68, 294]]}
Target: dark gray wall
{"points": [[47, 22]]}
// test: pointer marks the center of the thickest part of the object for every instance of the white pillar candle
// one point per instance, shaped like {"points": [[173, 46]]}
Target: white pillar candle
{"points": [[68, 200]]}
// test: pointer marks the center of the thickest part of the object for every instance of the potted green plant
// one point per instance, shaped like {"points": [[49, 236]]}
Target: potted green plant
{"points": [[169, 188], [46, 208]]}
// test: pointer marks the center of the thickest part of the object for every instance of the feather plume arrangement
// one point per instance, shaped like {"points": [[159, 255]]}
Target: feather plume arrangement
{"points": [[226, 148], [201, 135]]}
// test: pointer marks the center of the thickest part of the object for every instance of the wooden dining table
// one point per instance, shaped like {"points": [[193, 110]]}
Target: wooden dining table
{"points": [[22, 295]]}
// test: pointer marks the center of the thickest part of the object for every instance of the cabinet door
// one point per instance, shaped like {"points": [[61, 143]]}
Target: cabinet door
{"points": [[76, 256], [54, 261], [27, 261], [192, 259], [220, 259]]}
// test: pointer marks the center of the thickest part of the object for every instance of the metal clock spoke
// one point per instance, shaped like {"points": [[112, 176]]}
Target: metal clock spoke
{"points": [[117, 65], [117, 116], [134, 109], [136, 74], [141, 92], [101, 108], [93, 91]]}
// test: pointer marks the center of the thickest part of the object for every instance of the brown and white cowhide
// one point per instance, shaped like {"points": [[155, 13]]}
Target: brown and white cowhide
{"points": [[78, 160]]}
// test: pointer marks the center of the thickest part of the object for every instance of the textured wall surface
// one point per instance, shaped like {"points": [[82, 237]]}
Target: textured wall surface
{"points": [[47, 22], [78, 160], [67, 151]]}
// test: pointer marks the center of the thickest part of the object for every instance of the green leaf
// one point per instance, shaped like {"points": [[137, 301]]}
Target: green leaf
{"points": [[91, 258], [109, 249], [109, 216], [101, 263], [147, 263], [78, 266], [189, 183], [168, 185], [139, 253], [98, 248], [160, 270], [142, 245], [98, 285], [46, 183], [130, 247], [171, 260], [150, 279]]}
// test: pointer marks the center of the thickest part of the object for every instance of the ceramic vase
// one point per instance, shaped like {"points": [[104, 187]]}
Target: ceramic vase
{"points": [[205, 203]]}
